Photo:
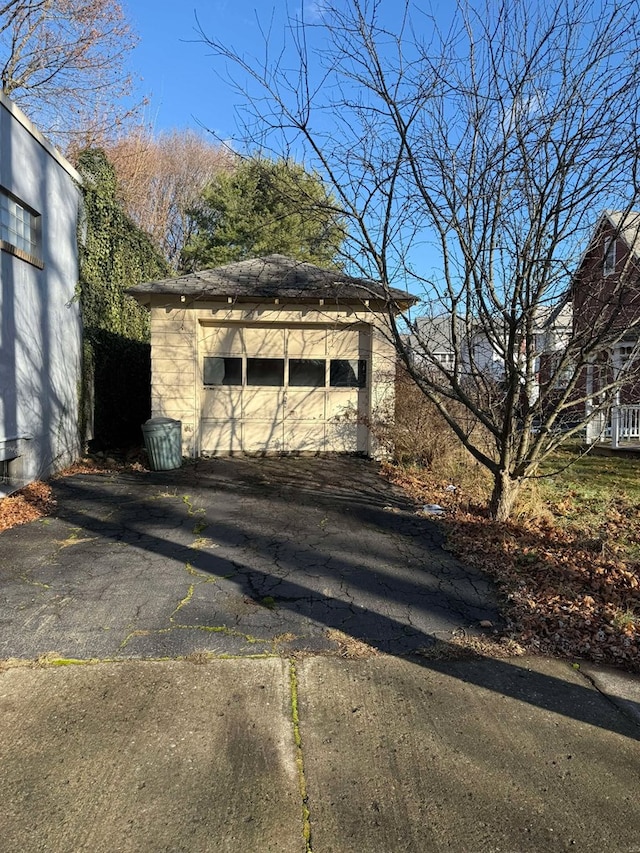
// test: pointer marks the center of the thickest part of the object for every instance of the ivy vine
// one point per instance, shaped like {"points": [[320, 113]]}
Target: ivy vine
{"points": [[114, 254]]}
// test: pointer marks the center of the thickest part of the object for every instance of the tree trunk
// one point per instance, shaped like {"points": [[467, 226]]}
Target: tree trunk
{"points": [[503, 497]]}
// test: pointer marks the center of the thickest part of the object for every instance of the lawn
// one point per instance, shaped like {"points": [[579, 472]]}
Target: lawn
{"points": [[567, 564], [598, 495]]}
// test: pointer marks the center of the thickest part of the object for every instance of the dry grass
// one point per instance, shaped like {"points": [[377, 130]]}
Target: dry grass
{"points": [[349, 647], [199, 658], [466, 647], [419, 440]]}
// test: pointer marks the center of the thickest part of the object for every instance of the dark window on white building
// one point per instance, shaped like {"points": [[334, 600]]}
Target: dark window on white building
{"points": [[222, 371], [265, 371], [19, 226], [346, 373], [307, 372]]}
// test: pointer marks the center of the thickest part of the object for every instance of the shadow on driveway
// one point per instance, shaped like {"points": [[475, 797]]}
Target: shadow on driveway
{"points": [[255, 556]]}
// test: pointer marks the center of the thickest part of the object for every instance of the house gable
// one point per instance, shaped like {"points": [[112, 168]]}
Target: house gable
{"points": [[606, 285]]}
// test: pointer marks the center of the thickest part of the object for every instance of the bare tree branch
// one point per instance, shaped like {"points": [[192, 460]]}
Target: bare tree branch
{"points": [[499, 142], [161, 179], [63, 62]]}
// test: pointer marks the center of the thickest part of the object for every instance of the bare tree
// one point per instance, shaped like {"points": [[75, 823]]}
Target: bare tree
{"points": [[161, 179], [63, 62], [495, 142]]}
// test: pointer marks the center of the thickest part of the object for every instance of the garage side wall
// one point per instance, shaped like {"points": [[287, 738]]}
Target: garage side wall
{"points": [[173, 367], [383, 388], [240, 417]]}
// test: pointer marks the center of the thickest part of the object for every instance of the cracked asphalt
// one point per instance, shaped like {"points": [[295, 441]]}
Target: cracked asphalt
{"points": [[235, 557], [258, 558]]}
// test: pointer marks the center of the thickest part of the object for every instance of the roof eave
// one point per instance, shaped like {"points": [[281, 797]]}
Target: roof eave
{"points": [[144, 298]]}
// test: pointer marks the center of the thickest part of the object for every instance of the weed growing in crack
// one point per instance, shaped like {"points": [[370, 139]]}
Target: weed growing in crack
{"points": [[203, 542], [297, 738], [186, 499], [183, 602], [195, 573], [199, 658]]}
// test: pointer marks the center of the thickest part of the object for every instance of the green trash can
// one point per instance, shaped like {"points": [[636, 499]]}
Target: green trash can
{"points": [[163, 441]]}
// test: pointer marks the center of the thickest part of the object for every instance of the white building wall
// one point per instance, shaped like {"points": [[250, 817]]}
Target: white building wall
{"points": [[40, 326]]}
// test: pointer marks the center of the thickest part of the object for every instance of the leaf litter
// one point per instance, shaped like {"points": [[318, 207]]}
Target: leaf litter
{"points": [[566, 590]]}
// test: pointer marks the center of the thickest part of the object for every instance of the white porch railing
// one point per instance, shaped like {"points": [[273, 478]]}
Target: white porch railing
{"points": [[625, 424]]}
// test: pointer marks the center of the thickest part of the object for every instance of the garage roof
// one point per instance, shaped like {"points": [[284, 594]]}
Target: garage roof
{"points": [[273, 277]]}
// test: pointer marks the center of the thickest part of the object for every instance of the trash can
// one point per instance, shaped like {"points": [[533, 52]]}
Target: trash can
{"points": [[163, 441]]}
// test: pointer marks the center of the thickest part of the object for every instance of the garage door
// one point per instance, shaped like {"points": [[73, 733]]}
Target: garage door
{"points": [[270, 389]]}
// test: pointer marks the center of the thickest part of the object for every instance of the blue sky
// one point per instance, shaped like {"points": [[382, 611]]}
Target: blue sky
{"points": [[182, 78], [179, 74], [177, 71]]}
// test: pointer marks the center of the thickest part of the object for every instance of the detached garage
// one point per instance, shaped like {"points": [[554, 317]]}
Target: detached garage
{"points": [[271, 356]]}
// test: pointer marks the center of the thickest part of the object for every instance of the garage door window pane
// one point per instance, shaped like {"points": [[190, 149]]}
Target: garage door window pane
{"points": [[265, 371], [348, 374], [307, 372], [222, 371]]}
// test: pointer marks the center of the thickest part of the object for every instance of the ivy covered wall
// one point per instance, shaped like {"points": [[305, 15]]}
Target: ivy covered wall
{"points": [[114, 255]]}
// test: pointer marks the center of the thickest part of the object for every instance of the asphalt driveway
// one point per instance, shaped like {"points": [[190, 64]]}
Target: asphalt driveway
{"points": [[233, 556]]}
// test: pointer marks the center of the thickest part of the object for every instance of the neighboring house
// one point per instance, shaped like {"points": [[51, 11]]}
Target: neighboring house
{"points": [[480, 355], [40, 331], [484, 355], [270, 355], [606, 302], [431, 341], [554, 326], [432, 346], [553, 330]]}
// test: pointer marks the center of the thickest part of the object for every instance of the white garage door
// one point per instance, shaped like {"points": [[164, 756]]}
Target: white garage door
{"points": [[269, 389]]}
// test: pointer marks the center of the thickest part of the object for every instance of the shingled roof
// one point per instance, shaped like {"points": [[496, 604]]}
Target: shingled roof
{"points": [[272, 277]]}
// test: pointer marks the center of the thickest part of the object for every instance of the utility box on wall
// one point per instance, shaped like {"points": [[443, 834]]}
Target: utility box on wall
{"points": [[14, 463]]}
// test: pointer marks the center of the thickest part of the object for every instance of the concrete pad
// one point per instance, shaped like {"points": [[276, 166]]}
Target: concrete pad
{"points": [[149, 757], [465, 756]]}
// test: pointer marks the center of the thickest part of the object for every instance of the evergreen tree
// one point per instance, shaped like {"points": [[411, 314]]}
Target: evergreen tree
{"points": [[265, 207]]}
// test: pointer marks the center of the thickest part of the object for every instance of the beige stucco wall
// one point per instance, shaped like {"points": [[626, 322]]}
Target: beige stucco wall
{"points": [[178, 330]]}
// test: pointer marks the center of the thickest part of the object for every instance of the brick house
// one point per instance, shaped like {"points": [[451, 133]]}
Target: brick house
{"points": [[606, 307]]}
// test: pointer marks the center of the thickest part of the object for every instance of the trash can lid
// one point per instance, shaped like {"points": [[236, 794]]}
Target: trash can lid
{"points": [[154, 421]]}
